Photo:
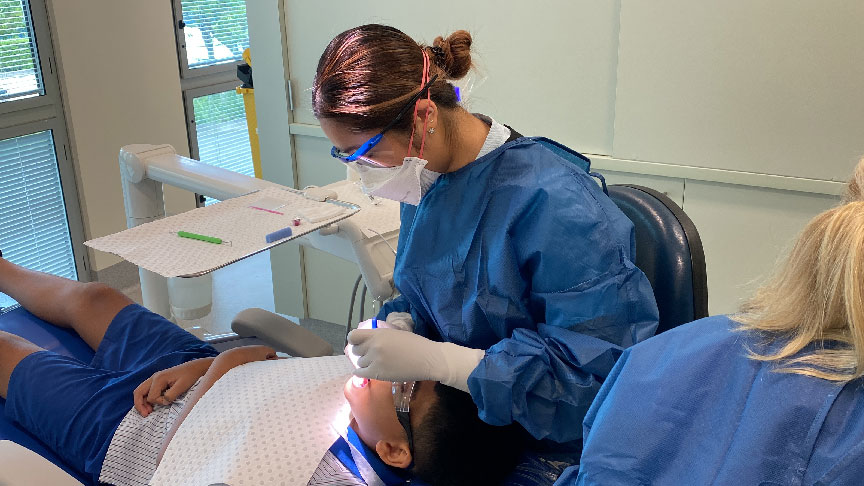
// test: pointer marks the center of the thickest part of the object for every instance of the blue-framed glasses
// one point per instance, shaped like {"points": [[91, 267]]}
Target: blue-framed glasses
{"points": [[366, 147], [360, 153]]}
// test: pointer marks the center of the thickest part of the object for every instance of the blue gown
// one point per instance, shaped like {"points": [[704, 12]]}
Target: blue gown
{"points": [[521, 253], [689, 407]]}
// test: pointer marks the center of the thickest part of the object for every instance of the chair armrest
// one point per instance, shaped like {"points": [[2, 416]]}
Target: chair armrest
{"points": [[280, 333]]}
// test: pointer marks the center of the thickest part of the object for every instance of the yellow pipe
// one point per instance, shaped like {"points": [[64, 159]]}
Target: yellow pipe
{"points": [[251, 118], [252, 126]]}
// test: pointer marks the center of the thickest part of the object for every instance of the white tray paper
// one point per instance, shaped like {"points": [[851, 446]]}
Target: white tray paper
{"points": [[155, 246]]}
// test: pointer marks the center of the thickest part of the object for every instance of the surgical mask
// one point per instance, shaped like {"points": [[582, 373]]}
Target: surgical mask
{"points": [[406, 183]]}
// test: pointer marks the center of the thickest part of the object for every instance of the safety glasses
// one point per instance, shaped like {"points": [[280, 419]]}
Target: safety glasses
{"points": [[405, 421], [402, 394], [359, 154], [403, 391]]}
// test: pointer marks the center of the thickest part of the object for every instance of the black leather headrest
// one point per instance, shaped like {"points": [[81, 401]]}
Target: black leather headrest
{"points": [[669, 252]]}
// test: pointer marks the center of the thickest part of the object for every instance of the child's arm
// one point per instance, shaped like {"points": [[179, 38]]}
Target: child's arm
{"points": [[165, 386], [220, 365]]}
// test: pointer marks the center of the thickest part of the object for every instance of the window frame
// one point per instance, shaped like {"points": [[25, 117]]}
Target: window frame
{"points": [[46, 112], [188, 96], [185, 71], [45, 51], [66, 173], [199, 82]]}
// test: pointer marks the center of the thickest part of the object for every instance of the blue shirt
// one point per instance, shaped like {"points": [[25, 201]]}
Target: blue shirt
{"points": [[690, 407], [520, 253], [364, 464]]}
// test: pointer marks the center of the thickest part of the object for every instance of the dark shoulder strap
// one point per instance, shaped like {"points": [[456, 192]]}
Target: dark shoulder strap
{"points": [[513, 134]]}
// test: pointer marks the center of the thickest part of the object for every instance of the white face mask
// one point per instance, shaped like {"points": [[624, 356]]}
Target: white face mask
{"points": [[406, 183]]}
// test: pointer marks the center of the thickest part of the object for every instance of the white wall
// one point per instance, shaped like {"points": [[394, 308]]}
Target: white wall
{"points": [[770, 87], [547, 70], [746, 113], [754, 107], [120, 84], [745, 230], [270, 71]]}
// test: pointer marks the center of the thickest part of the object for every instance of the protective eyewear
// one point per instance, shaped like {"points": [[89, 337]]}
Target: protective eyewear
{"points": [[405, 422], [366, 147], [402, 394]]}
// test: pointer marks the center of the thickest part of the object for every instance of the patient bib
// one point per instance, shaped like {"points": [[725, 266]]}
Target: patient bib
{"points": [[266, 422]]}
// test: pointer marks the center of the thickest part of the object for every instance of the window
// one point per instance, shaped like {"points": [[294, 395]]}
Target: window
{"points": [[213, 32], [220, 128], [27, 78], [40, 222], [20, 74], [211, 38], [35, 230]]}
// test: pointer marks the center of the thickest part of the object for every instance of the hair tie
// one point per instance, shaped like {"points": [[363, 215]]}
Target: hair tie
{"points": [[438, 52]]}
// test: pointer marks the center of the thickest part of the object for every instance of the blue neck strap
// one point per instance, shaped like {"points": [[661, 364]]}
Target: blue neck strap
{"points": [[391, 476]]}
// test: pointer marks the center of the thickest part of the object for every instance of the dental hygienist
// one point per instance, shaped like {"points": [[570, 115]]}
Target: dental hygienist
{"points": [[515, 269]]}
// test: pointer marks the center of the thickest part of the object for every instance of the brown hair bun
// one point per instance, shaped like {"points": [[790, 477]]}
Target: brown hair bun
{"points": [[453, 54], [367, 74]]}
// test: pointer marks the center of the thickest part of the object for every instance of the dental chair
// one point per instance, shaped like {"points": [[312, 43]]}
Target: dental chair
{"points": [[669, 252], [16, 320], [294, 339], [144, 169]]}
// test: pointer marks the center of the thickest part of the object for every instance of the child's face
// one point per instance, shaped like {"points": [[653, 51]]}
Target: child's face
{"points": [[375, 413]]}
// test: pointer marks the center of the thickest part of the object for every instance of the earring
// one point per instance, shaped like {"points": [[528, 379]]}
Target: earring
{"points": [[431, 130]]}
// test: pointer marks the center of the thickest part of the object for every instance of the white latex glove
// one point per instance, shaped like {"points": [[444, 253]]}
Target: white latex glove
{"points": [[395, 320], [396, 355], [399, 320], [367, 324]]}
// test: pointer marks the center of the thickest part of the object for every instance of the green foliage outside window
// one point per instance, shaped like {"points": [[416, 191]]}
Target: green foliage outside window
{"points": [[218, 108], [16, 55], [15, 37]]}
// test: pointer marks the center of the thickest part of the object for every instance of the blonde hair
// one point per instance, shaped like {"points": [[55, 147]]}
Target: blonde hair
{"points": [[856, 185], [817, 297]]}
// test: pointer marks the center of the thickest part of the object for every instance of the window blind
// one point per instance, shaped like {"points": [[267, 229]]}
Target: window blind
{"points": [[20, 73], [222, 135], [215, 32], [34, 231]]}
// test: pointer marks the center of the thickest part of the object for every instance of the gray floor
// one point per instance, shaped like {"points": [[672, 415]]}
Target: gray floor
{"points": [[245, 284]]}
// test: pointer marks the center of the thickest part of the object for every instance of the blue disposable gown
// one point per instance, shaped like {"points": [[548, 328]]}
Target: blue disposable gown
{"points": [[521, 253], [689, 407]]}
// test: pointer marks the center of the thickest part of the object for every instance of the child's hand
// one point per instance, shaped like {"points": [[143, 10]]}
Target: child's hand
{"points": [[165, 386]]}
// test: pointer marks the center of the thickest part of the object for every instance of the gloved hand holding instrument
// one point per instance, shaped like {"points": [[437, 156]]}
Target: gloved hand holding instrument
{"points": [[397, 355]]}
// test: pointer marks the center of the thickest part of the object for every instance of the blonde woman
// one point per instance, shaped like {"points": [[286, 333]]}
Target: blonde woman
{"points": [[771, 396]]}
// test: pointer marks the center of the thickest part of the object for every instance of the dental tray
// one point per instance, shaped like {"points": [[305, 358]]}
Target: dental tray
{"points": [[230, 231]]}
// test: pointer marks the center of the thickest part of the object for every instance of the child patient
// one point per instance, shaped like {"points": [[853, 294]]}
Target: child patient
{"points": [[247, 417]]}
